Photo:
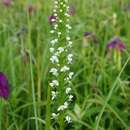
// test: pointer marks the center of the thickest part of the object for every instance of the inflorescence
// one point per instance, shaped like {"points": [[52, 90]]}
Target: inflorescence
{"points": [[61, 60]]}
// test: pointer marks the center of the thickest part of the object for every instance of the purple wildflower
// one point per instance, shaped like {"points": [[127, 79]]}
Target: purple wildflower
{"points": [[31, 9], [7, 2], [4, 86], [91, 36], [87, 34], [52, 19], [116, 43]]}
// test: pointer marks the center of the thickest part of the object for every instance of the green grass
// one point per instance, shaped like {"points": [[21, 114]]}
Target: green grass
{"points": [[101, 89]]}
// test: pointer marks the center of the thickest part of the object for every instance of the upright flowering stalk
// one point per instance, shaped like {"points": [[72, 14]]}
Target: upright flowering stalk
{"points": [[61, 60], [7, 2], [116, 47], [4, 94]]}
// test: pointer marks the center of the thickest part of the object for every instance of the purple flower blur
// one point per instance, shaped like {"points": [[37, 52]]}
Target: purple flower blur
{"points": [[31, 9], [72, 10], [52, 19], [116, 43], [87, 34], [4, 86], [7, 2], [127, 7], [91, 36]]}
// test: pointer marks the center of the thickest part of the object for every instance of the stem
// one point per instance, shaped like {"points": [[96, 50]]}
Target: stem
{"points": [[5, 117], [12, 57], [39, 99], [119, 60], [39, 79], [12, 66], [48, 109], [62, 122], [61, 101], [32, 76], [1, 113]]}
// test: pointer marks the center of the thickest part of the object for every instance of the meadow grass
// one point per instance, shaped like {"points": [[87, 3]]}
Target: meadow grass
{"points": [[101, 88]]}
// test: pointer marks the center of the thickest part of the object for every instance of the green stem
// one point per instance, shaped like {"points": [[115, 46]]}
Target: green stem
{"points": [[12, 66], [119, 60], [39, 78], [11, 56], [1, 113], [61, 122], [48, 109], [39, 100], [5, 117], [32, 76]]}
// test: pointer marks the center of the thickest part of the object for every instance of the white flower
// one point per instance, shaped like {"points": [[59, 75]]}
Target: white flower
{"points": [[67, 79], [63, 107], [59, 33], [54, 59], [68, 90], [71, 74], [68, 119], [61, 10], [54, 115], [68, 38], [53, 19], [68, 26], [55, 26], [67, 15], [53, 42], [56, 6], [69, 58], [55, 14], [54, 71], [64, 69], [54, 83], [60, 49], [70, 97], [61, 3], [56, 40], [54, 95], [70, 44], [60, 21], [52, 31], [52, 49], [64, 5], [114, 15], [66, 105], [56, 53], [56, 2], [54, 10]]}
